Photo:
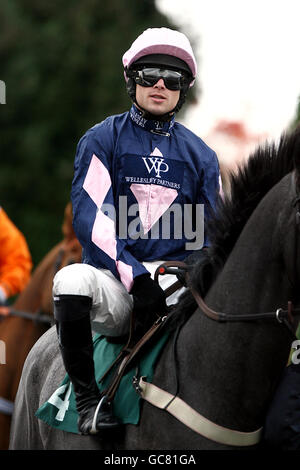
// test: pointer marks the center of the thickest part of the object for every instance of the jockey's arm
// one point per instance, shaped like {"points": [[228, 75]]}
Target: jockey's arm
{"points": [[95, 230]]}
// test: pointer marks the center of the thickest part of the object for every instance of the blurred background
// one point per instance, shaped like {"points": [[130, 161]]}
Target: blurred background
{"points": [[61, 63], [249, 80]]}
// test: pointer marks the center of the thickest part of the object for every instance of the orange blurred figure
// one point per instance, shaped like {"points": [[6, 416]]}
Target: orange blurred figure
{"points": [[15, 259]]}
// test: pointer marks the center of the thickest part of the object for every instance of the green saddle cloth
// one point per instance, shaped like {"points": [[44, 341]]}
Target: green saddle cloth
{"points": [[60, 409]]}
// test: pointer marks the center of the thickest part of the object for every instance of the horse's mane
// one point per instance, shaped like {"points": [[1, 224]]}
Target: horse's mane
{"points": [[265, 167], [253, 180]]}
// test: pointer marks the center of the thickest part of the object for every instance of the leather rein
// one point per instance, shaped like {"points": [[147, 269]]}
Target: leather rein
{"points": [[282, 316]]}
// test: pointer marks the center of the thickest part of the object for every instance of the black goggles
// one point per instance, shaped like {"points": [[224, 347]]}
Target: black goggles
{"points": [[149, 76]]}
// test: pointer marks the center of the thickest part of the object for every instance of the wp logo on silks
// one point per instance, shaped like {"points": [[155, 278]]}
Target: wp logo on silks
{"points": [[2, 92], [157, 164]]}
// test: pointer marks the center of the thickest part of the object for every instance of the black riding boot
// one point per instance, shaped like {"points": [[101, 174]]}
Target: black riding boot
{"points": [[72, 315]]}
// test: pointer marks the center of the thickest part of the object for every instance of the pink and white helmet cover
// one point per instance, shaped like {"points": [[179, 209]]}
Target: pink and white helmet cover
{"points": [[161, 41]]}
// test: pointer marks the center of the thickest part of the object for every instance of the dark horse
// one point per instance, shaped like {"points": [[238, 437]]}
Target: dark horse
{"points": [[226, 371]]}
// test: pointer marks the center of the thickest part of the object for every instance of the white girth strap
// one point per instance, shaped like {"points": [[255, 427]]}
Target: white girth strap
{"points": [[188, 416]]}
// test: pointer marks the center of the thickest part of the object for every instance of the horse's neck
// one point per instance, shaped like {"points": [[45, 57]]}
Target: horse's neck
{"points": [[254, 278], [236, 364]]}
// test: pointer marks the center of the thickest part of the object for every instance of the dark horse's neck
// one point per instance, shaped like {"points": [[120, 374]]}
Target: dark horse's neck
{"points": [[228, 371], [237, 364]]}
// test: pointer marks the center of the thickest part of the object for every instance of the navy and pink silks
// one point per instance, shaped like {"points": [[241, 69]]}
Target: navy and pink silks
{"points": [[129, 173]]}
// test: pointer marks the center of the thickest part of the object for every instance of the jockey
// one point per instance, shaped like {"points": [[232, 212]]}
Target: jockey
{"points": [[144, 163], [15, 259]]}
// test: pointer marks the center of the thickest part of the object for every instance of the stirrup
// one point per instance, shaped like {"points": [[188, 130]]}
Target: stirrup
{"points": [[94, 429]]}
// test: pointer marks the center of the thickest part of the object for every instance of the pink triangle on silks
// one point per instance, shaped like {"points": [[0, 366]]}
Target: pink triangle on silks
{"points": [[153, 200], [156, 153]]}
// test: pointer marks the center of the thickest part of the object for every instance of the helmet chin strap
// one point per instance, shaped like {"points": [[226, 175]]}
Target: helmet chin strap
{"points": [[155, 117]]}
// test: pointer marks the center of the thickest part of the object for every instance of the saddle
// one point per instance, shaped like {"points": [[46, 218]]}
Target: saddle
{"points": [[133, 345]]}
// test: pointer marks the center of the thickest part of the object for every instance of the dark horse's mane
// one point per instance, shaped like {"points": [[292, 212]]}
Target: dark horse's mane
{"points": [[265, 167], [248, 186]]}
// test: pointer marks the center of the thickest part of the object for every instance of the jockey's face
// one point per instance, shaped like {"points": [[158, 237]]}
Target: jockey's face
{"points": [[157, 99]]}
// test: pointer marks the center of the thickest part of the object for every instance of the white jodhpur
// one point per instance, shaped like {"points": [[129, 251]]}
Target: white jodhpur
{"points": [[111, 303]]}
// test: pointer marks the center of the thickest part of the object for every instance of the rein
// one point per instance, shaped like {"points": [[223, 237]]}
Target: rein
{"points": [[39, 317], [35, 317], [282, 316], [6, 311]]}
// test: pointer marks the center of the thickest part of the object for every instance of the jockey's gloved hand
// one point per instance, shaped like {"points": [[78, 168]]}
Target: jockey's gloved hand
{"points": [[149, 301], [198, 256]]}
